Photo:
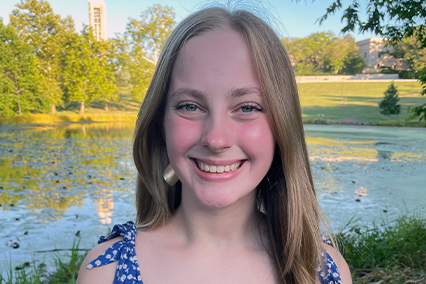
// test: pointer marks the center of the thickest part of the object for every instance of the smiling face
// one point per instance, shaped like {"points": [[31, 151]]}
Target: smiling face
{"points": [[218, 138]]}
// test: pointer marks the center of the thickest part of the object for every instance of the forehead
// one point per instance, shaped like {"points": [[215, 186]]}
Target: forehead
{"points": [[219, 57]]}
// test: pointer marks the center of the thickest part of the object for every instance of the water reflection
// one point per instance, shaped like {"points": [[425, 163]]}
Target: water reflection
{"points": [[57, 180], [368, 171], [105, 207]]}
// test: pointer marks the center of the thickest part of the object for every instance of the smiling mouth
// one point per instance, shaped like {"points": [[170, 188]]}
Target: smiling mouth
{"points": [[218, 169]]}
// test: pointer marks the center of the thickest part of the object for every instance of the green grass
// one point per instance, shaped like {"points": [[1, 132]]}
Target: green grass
{"points": [[387, 252], [38, 273], [356, 102]]}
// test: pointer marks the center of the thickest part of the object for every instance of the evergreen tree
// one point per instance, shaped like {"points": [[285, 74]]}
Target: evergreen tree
{"points": [[19, 77], [389, 105]]}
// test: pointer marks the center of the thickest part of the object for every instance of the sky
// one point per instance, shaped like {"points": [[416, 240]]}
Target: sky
{"points": [[293, 18]]}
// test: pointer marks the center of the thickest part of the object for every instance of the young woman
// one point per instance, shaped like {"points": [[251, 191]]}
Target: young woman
{"points": [[224, 188]]}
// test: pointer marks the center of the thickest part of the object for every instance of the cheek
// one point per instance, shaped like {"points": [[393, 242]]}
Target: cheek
{"points": [[258, 140], [181, 135]]}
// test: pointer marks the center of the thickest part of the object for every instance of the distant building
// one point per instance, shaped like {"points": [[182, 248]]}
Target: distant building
{"points": [[371, 51], [97, 18]]}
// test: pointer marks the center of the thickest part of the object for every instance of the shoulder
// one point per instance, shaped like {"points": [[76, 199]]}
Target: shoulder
{"points": [[102, 274], [341, 264]]}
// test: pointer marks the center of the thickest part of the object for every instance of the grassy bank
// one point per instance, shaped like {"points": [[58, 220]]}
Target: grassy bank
{"points": [[322, 103], [357, 102], [393, 252], [69, 116], [124, 109]]}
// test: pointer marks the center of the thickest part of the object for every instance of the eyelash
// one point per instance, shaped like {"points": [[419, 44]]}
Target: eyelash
{"points": [[253, 106], [181, 106]]}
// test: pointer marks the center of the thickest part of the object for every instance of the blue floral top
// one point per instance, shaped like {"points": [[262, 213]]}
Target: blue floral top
{"points": [[128, 269]]}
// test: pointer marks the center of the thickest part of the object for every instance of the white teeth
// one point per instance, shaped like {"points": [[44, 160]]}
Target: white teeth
{"points": [[218, 169]]}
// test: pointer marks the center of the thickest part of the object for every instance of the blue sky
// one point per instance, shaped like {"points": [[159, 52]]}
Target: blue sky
{"points": [[294, 19]]}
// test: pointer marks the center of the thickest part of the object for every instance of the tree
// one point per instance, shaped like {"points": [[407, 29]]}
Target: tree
{"points": [[353, 64], [118, 57], [145, 39], [389, 105], [19, 77], [36, 24], [410, 50], [323, 53], [87, 75], [394, 20]]}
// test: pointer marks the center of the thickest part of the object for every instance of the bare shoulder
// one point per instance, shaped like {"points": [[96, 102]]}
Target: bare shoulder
{"points": [[341, 264], [101, 274]]}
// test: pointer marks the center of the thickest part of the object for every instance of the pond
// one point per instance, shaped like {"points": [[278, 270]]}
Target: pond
{"points": [[60, 183]]}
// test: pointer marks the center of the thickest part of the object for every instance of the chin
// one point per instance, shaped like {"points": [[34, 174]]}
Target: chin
{"points": [[221, 198]]}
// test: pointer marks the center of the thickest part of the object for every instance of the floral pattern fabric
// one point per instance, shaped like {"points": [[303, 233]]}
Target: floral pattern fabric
{"points": [[128, 268]]}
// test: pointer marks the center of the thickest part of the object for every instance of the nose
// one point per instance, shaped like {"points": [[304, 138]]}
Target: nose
{"points": [[217, 135]]}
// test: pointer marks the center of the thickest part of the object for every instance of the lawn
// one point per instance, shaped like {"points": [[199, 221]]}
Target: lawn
{"points": [[355, 102]]}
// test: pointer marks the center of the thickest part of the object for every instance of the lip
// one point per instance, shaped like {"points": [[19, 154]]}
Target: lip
{"points": [[218, 177]]}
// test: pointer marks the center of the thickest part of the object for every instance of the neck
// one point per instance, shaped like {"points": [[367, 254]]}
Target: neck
{"points": [[229, 227]]}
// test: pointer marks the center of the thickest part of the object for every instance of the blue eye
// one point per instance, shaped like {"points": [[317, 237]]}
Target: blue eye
{"points": [[187, 107], [247, 108], [250, 108]]}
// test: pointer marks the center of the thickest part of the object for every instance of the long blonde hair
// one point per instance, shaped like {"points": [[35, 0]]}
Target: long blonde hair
{"points": [[286, 195]]}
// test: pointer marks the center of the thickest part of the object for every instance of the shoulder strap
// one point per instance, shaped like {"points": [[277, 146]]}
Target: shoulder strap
{"points": [[123, 251]]}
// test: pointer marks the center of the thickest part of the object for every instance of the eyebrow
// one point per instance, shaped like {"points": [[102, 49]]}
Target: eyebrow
{"points": [[190, 92], [235, 92], [239, 92]]}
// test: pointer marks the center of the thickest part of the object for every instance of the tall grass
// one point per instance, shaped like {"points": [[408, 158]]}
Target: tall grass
{"points": [[389, 252], [39, 273]]}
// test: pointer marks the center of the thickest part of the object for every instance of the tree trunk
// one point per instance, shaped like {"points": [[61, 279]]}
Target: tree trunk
{"points": [[106, 106], [17, 94], [53, 109], [82, 107], [19, 105]]}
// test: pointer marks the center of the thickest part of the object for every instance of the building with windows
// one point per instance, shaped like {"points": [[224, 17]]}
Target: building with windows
{"points": [[97, 18], [372, 51]]}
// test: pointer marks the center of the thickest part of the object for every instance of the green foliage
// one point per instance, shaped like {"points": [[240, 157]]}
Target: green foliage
{"points": [[19, 78], [384, 251], [87, 75], [401, 22], [325, 53], [410, 50], [389, 105], [145, 38], [36, 24], [37, 273], [118, 57], [353, 64]]}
